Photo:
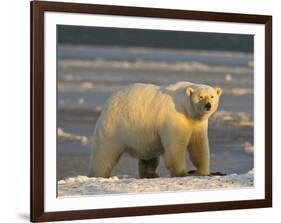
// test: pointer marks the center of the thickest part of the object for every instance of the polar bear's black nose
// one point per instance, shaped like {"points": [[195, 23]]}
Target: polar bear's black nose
{"points": [[208, 106]]}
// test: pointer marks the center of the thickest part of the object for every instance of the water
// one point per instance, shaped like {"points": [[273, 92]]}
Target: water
{"points": [[87, 76]]}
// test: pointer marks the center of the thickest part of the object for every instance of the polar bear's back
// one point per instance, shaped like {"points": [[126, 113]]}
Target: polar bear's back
{"points": [[137, 101], [140, 105]]}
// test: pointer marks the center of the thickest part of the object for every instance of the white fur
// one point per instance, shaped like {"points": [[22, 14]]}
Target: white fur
{"points": [[146, 121]]}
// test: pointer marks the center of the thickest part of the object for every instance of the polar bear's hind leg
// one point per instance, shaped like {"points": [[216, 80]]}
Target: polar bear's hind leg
{"points": [[103, 159]]}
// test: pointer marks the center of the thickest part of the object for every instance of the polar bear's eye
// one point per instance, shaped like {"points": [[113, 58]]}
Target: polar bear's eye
{"points": [[200, 97], [212, 96]]}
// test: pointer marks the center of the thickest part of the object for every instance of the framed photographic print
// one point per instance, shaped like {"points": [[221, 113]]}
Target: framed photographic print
{"points": [[145, 111]]}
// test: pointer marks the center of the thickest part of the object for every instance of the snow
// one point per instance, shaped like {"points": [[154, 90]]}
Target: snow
{"points": [[248, 148], [62, 135], [150, 65], [83, 185], [222, 118]]}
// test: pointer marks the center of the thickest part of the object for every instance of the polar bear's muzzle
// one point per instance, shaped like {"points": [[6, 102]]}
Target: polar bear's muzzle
{"points": [[208, 106]]}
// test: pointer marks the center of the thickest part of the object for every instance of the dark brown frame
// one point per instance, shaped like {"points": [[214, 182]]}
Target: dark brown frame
{"points": [[37, 110]]}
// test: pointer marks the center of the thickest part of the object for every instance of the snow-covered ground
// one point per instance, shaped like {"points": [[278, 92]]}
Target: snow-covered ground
{"points": [[82, 185]]}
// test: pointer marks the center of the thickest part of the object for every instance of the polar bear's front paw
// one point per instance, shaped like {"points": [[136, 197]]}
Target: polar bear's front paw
{"points": [[198, 173], [217, 174], [195, 173]]}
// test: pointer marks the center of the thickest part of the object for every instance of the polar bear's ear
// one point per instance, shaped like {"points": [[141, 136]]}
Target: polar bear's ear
{"points": [[189, 91], [218, 90]]}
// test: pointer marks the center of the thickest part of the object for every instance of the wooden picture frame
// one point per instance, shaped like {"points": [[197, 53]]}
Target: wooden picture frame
{"points": [[37, 198]]}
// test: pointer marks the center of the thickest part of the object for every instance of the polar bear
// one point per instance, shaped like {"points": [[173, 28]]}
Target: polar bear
{"points": [[147, 121]]}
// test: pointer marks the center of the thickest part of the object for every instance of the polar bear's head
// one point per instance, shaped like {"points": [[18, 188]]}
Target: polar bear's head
{"points": [[204, 101]]}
